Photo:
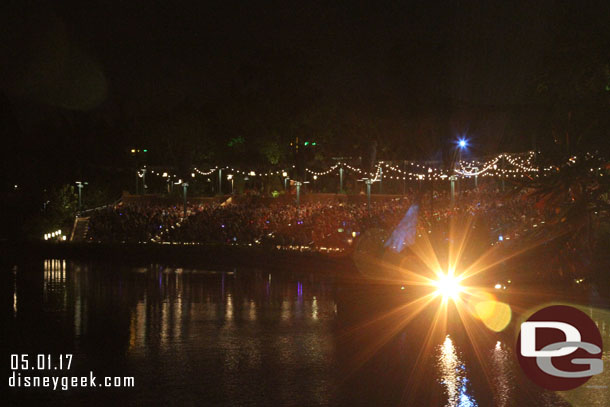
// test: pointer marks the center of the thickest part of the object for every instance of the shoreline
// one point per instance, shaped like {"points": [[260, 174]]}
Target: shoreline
{"points": [[342, 264], [179, 255]]}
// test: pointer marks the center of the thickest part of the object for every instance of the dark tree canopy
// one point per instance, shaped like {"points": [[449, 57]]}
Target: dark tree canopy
{"points": [[235, 83]]}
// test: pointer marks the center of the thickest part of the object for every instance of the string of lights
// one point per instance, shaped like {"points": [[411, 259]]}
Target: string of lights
{"points": [[198, 171], [358, 170], [475, 171], [522, 166], [328, 171], [503, 165]]}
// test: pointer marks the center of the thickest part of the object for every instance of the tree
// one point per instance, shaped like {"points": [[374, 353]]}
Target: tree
{"points": [[58, 211], [575, 198]]}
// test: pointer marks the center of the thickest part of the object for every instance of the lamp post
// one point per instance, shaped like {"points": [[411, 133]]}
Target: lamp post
{"points": [[432, 189], [285, 175], [167, 181], [144, 186], [230, 178], [476, 177], [452, 180], [80, 186], [298, 186], [368, 182], [220, 181], [184, 187], [462, 145], [341, 179], [315, 177]]}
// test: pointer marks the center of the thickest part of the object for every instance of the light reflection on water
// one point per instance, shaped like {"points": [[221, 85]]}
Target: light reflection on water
{"points": [[453, 376], [596, 392], [238, 338], [501, 375], [14, 270], [54, 286]]}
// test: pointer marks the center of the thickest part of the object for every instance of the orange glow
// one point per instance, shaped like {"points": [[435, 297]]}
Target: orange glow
{"points": [[448, 286]]}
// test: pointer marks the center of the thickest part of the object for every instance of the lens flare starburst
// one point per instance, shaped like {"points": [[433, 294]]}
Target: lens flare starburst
{"points": [[448, 286], [443, 280]]}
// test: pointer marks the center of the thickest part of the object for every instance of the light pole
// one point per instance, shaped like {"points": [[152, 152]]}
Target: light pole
{"points": [[80, 186], [462, 145], [476, 177], [144, 186], [368, 182], [184, 187], [285, 175], [341, 179], [432, 189], [452, 179], [298, 186], [167, 181], [220, 181], [230, 178], [315, 177]]}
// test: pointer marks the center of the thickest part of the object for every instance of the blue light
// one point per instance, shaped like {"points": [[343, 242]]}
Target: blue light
{"points": [[500, 238], [462, 143]]}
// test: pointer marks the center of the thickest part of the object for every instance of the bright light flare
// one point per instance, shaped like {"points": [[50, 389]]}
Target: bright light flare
{"points": [[448, 286]]}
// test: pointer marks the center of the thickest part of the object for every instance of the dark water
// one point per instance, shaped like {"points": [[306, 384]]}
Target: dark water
{"points": [[254, 338]]}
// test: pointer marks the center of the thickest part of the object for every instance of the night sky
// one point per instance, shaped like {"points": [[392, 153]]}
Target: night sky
{"points": [[95, 78]]}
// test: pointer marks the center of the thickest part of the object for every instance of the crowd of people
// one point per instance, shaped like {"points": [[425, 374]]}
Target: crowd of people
{"points": [[131, 223], [314, 224]]}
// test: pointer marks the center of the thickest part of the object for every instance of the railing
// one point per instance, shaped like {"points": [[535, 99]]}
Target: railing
{"points": [[99, 208]]}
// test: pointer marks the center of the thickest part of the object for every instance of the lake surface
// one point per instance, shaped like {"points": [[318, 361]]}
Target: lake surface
{"points": [[241, 337]]}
